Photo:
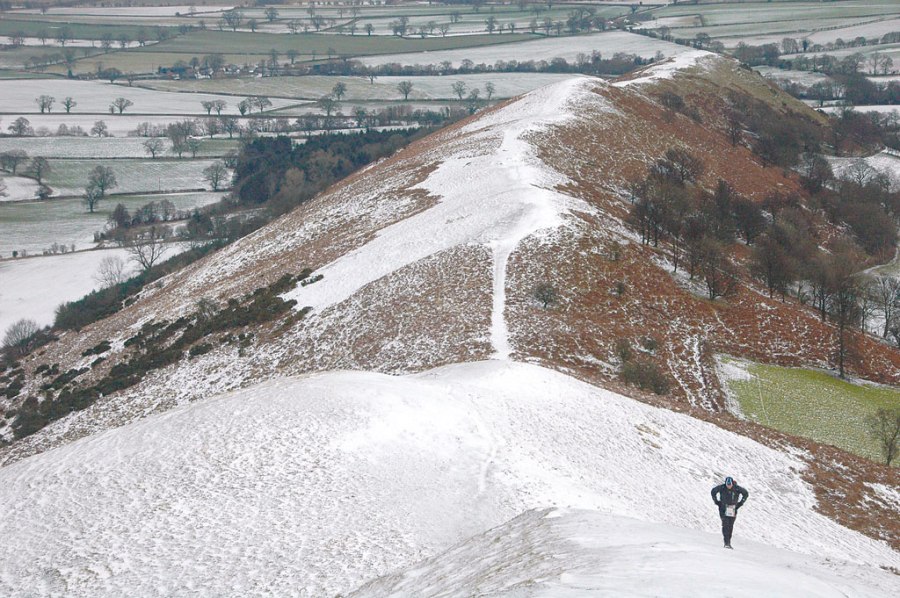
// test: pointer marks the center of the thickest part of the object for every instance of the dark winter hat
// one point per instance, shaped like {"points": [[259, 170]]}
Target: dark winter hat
{"points": [[729, 481]]}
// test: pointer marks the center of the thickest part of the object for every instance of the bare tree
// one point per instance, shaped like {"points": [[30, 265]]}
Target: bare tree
{"points": [[100, 129], [884, 427], [103, 178], [45, 102], [121, 104], [21, 127], [405, 87], [112, 271], [39, 168], [19, 335], [154, 146], [233, 18], [92, 197], [459, 88], [147, 251], [489, 89], [68, 103], [885, 290], [11, 159], [215, 174], [339, 90]]}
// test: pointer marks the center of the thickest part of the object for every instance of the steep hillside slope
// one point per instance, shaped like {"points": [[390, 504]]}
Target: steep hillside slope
{"points": [[432, 257], [311, 486]]}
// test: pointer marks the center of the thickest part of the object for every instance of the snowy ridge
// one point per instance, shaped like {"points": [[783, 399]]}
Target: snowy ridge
{"points": [[312, 486], [493, 191], [564, 553], [668, 68]]}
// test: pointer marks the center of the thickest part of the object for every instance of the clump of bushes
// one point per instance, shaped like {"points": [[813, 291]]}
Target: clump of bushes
{"points": [[646, 375], [640, 371], [98, 349], [158, 345]]}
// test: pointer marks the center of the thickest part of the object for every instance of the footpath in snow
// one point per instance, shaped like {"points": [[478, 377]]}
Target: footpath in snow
{"points": [[313, 486], [492, 190]]}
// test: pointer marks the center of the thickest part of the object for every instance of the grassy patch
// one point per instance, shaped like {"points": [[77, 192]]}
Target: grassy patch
{"points": [[812, 404]]}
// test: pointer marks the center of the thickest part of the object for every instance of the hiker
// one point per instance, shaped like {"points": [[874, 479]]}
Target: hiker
{"points": [[729, 497]]}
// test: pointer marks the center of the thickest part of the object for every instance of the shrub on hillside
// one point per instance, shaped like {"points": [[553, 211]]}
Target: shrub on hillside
{"points": [[646, 375]]}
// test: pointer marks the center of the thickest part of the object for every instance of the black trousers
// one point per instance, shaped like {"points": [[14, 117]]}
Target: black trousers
{"points": [[727, 527]]}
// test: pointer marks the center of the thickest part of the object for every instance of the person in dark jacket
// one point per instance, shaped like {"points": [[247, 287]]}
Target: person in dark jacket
{"points": [[729, 497]]}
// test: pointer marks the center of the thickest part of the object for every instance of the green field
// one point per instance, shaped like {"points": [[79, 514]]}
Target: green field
{"points": [[810, 403]]}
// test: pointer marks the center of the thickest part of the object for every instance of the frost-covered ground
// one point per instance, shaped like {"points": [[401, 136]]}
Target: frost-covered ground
{"points": [[311, 486], [34, 287], [95, 97], [607, 43]]}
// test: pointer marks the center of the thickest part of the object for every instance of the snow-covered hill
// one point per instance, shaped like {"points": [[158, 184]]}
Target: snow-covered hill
{"points": [[311, 486], [585, 554]]}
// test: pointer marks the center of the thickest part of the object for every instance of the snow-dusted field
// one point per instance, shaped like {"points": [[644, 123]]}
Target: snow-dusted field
{"points": [[98, 148], [18, 188], [806, 78], [35, 225], [892, 50], [69, 177], [359, 88], [881, 108], [310, 486], [127, 11], [607, 43], [885, 162], [34, 287], [52, 44], [867, 30], [95, 97], [118, 125]]}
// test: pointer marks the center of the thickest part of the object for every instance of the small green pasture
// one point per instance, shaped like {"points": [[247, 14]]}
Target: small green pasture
{"points": [[811, 403]]}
